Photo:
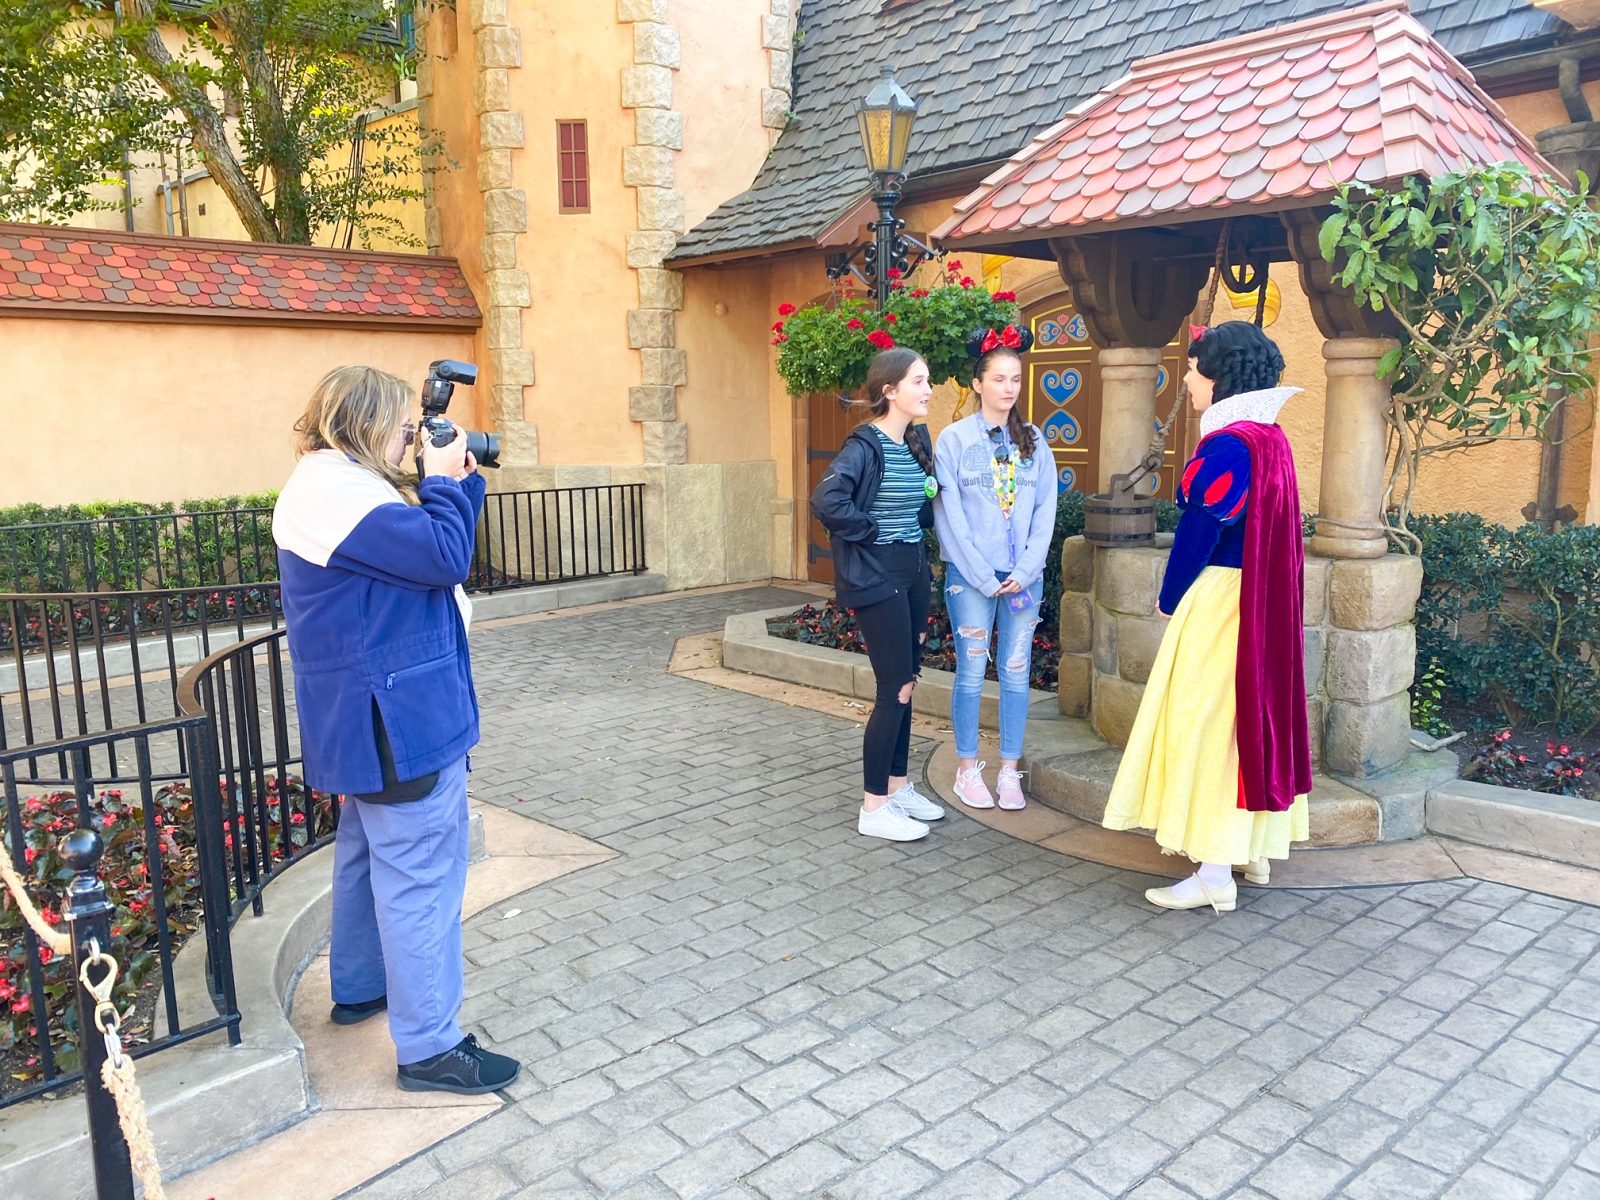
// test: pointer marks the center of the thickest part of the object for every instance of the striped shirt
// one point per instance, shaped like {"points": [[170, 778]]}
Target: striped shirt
{"points": [[900, 495]]}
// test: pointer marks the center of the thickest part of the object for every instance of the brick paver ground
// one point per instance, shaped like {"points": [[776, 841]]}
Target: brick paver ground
{"points": [[754, 1002]]}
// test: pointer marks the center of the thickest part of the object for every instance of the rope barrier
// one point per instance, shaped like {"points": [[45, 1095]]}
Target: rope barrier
{"points": [[118, 1075]]}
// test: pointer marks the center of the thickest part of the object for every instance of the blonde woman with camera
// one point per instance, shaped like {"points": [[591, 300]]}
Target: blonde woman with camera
{"points": [[372, 560]]}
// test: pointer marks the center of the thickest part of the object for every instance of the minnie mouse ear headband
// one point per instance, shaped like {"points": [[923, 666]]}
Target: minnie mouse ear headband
{"points": [[1012, 337]]}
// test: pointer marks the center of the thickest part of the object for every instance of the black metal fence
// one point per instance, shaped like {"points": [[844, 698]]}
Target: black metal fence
{"points": [[269, 817], [64, 657], [524, 539], [164, 863]]}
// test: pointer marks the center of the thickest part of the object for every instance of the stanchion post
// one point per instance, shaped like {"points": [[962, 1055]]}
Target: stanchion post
{"points": [[88, 915]]}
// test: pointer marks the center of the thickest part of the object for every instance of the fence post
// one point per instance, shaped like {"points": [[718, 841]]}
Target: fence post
{"points": [[88, 915]]}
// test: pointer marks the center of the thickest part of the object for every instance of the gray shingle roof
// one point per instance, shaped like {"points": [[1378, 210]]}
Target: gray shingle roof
{"points": [[987, 76]]}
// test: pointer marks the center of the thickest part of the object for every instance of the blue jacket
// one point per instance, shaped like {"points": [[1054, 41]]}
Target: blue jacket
{"points": [[973, 533], [375, 612]]}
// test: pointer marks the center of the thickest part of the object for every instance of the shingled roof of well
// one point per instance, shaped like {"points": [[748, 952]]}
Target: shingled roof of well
{"points": [[1275, 116], [138, 276], [989, 76]]}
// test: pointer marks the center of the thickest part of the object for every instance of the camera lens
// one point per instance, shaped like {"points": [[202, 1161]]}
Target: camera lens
{"points": [[485, 447]]}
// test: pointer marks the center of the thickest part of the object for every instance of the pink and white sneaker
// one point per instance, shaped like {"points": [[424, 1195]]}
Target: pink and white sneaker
{"points": [[971, 789], [1011, 797]]}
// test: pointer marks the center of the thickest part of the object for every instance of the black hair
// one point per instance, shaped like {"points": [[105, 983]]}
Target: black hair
{"points": [[1238, 358]]}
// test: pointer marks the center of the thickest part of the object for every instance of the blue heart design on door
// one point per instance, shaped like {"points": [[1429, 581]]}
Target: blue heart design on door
{"points": [[1060, 429], [1061, 386]]}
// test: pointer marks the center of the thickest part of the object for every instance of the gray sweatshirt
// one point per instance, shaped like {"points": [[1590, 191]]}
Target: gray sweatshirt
{"points": [[972, 531]]}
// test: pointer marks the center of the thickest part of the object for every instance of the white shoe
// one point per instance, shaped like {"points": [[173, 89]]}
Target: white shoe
{"points": [[1258, 871], [890, 824], [1221, 899], [915, 805], [970, 788]]}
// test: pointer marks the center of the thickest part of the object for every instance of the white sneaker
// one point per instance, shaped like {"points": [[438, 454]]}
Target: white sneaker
{"points": [[915, 805], [1011, 797], [890, 824], [971, 789]]}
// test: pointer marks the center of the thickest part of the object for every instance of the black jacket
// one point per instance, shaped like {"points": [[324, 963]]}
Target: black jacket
{"points": [[843, 504]]}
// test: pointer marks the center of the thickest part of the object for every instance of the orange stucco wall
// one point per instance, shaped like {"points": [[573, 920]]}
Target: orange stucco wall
{"points": [[120, 410]]}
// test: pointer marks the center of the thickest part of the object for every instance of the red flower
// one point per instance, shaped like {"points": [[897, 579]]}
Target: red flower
{"points": [[29, 854], [1005, 297], [853, 323], [880, 339], [966, 281], [893, 273], [890, 318], [780, 339], [45, 955], [919, 293], [785, 310], [954, 264], [22, 1004], [777, 327]]}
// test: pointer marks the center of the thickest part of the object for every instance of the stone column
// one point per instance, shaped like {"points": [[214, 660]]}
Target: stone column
{"points": [[1127, 408], [1354, 443]]}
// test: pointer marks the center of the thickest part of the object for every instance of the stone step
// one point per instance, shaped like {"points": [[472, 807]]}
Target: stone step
{"points": [[1072, 769]]}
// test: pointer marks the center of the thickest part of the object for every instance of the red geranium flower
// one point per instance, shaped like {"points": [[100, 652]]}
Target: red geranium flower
{"points": [[890, 318], [880, 339], [853, 323], [954, 264], [777, 341], [966, 281], [777, 327], [1005, 297], [893, 273], [785, 310], [919, 293]]}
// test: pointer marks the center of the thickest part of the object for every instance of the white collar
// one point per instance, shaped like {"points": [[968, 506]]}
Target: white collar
{"points": [[1260, 407]]}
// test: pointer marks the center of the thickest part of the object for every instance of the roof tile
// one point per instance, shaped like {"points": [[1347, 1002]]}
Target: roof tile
{"points": [[1263, 144], [132, 275], [1028, 63]]}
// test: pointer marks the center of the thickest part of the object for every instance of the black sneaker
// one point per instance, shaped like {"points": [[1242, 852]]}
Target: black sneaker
{"points": [[466, 1069], [354, 1014]]}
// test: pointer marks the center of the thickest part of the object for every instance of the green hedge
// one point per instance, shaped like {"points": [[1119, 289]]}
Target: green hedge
{"points": [[89, 547], [1510, 619]]}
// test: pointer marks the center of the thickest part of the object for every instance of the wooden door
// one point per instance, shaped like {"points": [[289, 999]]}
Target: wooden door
{"points": [[1062, 392], [827, 425]]}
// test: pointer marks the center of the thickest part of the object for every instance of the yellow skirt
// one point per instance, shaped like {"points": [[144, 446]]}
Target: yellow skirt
{"points": [[1180, 773]]}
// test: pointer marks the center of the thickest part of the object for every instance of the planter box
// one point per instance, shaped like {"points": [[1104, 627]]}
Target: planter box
{"points": [[748, 647]]}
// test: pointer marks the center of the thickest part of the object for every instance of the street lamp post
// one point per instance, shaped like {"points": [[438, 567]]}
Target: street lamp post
{"points": [[885, 118]]}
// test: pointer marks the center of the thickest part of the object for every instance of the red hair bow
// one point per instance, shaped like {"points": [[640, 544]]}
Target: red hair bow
{"points": [[1007, 337], [1196, 332]]}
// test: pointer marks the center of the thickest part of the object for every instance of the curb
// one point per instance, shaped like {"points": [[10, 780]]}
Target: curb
{"points": [[259, 1086]]}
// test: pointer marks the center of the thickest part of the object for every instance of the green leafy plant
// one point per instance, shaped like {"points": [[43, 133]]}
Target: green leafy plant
{"points": [[270, 94], [1427, 697], [1512, 618], [1493, 279], [827, 347]]}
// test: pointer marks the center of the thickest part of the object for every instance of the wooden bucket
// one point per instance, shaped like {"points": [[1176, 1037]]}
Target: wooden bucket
{"points": [[1122, 517]]}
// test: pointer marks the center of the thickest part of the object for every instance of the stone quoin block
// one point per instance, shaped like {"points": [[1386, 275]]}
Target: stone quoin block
{"points": [[491, 91], [658, 127], [499, 46], [1364, 739], [656, 44], [500, 131], [508, 289], [1367, 666], [666, 442], [645, 85], [1074, 685], [1116, 704], [1376, 593], [650, 327], [1077, 623], [664, 368], [652, 404], [1077, 565], [505, 210], [662, 208], [660, 289], [648, 247], [647, 166], [1138, 640]]}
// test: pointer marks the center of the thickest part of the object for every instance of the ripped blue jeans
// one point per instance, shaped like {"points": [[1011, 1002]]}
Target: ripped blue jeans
{"points": [[973, 621]]}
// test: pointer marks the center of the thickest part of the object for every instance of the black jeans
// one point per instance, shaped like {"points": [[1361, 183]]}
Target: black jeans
{"points": [[894, 629]]}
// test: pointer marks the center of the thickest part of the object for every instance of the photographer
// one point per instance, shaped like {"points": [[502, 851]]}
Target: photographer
{"points": [[372, 561]]}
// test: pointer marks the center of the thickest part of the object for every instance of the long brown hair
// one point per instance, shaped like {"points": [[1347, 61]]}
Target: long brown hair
{"points": [[887, 369], [1017, 429]]}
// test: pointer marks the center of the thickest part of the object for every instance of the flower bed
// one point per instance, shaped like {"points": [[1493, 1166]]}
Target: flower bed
{"points": [[126, 871]]}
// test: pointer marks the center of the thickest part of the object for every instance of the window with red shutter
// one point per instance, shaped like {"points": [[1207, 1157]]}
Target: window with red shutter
{"points": [[572, 165]]}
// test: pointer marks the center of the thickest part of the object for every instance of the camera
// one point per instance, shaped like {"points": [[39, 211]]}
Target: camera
{"points": [[437, 389]]}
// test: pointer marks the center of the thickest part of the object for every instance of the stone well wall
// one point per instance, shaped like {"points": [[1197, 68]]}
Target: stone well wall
{"points": [[1359, 638]]}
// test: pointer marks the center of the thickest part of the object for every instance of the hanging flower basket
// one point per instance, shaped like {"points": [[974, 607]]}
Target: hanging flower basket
{"points": [[827, 347]]}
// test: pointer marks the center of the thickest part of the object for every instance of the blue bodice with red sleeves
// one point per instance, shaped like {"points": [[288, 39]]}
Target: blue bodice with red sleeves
{"points": [[1214, 494]]}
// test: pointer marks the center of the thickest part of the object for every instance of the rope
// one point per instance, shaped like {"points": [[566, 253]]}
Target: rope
{"points": [[124, 1088], [117, 1074], [58, 942]]}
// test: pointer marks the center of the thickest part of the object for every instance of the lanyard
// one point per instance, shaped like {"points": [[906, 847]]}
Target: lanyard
{"points": [[1004, 471]]}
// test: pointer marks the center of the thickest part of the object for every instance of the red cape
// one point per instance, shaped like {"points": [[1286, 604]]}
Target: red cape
{"points": [[1270, 679]]}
